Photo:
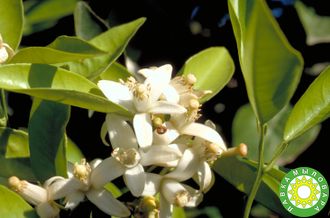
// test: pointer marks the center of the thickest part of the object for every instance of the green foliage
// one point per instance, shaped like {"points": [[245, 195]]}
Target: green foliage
{"points": [[11, 10], [244, 129], [270, 66], [241, 174], [47, 141], [63, 49], [316, 27], [51, 83], [312, 108], [87, 23], [14, 154], [113, 42], [13, 206], [40, 15], [215, 72]]}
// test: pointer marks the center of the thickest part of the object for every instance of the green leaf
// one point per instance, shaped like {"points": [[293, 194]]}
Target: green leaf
{"points": [[178, 212], [242, 176], [115, 72], [312, 108], [11, 22], [44, 14], [316, 27], [13, 206], [73, 153], [244, 129], [14, 154], [56, 84], [112, 41], [47, 125], [213, 68], [270, 66], [87, 23], [63, 49]]}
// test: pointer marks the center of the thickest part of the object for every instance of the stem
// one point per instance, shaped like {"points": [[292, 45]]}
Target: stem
{"points": [[3, 108], [278, 153], [258, 180]]}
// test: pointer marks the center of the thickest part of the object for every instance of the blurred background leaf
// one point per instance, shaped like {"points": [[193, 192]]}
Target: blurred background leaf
{"points": [[244, 130], [317, 27], [41, 15]]}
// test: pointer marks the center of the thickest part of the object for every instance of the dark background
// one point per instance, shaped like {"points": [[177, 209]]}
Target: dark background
{"points": [[166, 37]]}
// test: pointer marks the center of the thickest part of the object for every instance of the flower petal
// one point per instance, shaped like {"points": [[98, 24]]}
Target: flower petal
{"points": [[160, 155], [143, 129], [165, 208], [106, 171], [165, 107], [73, 200], [171, 94], [196, 197], [135, 179], [204, 132], [152, 184], [205, 177], [117, 93], [120, 132], [157, 79], [46, 209], [107, 203], [62, 188], [186, 168], [166, 138]]}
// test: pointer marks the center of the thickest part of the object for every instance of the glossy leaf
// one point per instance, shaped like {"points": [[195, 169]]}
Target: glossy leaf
{"points": [[113, 42], [312, 108], [56, 84], [87, 24], [63, 49], [46, 138], [316, 26], [14, 154], [44, 14], [11, 22], [242, 176], [213, 68], [13, 206], [244, 129], [270, 66]]}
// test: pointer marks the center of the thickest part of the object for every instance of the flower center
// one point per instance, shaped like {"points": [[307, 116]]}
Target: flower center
{"points": [[82, 171], [181, 198], [129, 157]]}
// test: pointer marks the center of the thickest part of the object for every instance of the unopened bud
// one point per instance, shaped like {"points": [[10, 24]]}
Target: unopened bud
{"points": [[240, 150]]}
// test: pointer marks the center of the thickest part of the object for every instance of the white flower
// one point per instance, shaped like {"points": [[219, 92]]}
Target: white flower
{"points": [[172, 191], [41, 197], [82, 184], [128, 159], [5, 51], [143, 99]]}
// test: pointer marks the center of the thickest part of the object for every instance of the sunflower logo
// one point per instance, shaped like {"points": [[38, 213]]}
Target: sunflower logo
{"points": [[304, 192]]}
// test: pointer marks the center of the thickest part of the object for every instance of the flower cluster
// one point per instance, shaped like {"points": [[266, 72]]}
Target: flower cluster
{"points": [[158, 151]]}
